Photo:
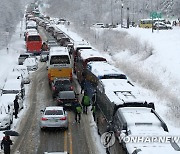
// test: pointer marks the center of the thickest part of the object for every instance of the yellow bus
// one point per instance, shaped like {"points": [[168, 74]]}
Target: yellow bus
{"points": [[147, 23], [59, 64]]}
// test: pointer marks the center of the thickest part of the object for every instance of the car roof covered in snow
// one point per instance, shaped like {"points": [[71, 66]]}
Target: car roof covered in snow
{"points": [[90, 53], [58, 51], [12, 84], [102, 69], [121, 91], [152, 148]]}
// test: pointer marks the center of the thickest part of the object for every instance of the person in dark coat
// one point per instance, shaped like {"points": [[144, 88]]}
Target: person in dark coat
{"points": [[5, 144], [83, 81], [93, 109], [16, 107], [82, 85]]}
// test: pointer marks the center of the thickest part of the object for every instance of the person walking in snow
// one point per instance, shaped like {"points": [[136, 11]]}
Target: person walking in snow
{"points": [[16, 107], [78, 111]]}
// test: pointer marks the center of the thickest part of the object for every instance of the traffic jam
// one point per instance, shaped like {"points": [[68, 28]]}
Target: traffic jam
{"points": [[117, 105]]}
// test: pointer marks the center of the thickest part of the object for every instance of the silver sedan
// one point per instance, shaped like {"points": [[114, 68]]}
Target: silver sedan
{"points": [[54, 117]]}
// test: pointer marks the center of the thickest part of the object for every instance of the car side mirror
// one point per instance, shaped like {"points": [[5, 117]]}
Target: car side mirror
{"points": [[42, 111]]}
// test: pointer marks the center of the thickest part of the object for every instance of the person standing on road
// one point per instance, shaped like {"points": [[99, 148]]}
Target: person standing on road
{"points": [[78, 111], [5, 144], [85, 102], [93, 99], [44, 47], [82, 85], [83, 81], [93, 109], [16, 107]]}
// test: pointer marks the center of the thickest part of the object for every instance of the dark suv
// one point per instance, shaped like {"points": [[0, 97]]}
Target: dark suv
{"points": [[61, 85], [67, 99]]}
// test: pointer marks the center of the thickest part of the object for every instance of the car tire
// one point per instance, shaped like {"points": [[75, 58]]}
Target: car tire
{"points": [[42, 129], [9, 127], [11, 122], [66, 128]]}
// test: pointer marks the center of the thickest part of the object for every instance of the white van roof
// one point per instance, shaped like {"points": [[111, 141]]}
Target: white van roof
{"points": [[103, 68], [90, 53], [58, 51], [121, 91]]}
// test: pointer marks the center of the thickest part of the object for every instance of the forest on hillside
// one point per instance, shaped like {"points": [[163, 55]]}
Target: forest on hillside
{"points": [[111, 11]]}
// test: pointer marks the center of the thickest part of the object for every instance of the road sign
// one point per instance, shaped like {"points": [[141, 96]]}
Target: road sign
{"points": [[156, 15]]}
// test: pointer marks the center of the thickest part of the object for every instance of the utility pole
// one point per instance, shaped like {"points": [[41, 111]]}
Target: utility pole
{"points": [[127, 17], [112, 12], [121, 14]]}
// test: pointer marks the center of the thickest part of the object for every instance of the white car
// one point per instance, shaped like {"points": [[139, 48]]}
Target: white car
{"points": [[6, 117], [55, 153], [8, 99], [31, 64], [98, 25], [54, 117], [14, 86], [24, 72]]}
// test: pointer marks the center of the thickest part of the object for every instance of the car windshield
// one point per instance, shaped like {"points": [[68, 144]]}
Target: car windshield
{"points": [[67, 95], [54, 112]]}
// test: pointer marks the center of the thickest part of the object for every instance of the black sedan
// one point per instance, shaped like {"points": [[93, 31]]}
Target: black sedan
{"points": [[61, 85], [67, 99]]}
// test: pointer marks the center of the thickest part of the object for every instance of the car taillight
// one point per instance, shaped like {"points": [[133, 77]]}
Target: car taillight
{"points": [[63, 118], [71, 76], [71, 88], [44, 119], [53, 88], [59, 101]]}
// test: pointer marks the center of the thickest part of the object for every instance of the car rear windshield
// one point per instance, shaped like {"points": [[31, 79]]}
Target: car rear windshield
{"points": [[54, 112], [60, 82], [67, 95]]}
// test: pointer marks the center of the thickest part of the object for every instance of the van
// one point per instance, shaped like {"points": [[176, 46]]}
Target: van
{"points": [[59, 64]]}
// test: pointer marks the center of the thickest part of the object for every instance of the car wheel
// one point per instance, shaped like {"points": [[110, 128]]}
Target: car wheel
{"points": [[66, 128], [42, 129], [9, 127], [11, 120]]}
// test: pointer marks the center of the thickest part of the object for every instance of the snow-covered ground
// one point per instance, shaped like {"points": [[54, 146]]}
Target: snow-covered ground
{"points": [[8, 59], [158, 75]]}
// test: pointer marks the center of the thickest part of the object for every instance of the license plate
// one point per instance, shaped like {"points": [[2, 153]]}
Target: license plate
{"points": [[68, 104], [54, 120]]}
